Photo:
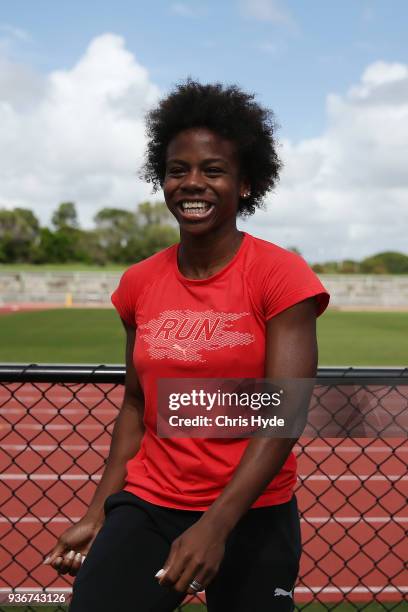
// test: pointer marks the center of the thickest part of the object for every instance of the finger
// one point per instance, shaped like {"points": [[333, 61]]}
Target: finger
{"points": [[58, 551], [160, 573], [56, 563], [67, 560], [192, 572], [167, 574], [76, 564], [203, 578], [172, 572], [201, 581]]}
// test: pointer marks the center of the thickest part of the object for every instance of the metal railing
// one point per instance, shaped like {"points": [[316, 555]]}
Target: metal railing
{"points": [[55, 428]]}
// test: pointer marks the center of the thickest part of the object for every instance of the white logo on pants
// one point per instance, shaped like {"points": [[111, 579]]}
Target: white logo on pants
{"points": [[279, 591]]}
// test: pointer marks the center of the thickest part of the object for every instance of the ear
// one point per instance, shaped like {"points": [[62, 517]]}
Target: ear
{"points": [[245, 189]]}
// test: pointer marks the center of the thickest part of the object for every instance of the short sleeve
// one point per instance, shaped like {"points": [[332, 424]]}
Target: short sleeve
{"points": [[123, 298], [289, 281]]}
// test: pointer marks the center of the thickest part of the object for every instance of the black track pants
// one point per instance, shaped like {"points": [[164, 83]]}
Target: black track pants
{"points": [[257, 573]]}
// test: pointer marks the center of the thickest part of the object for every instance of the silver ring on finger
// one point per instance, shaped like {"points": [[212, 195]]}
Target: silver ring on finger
{"points": [[196, 586]]}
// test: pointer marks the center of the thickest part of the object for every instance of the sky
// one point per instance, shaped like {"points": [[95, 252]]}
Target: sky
{"points": [[77, 78]]}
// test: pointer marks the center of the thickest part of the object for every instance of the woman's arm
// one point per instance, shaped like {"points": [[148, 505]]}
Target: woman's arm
{"points": [[291, 352], [126, 438]]}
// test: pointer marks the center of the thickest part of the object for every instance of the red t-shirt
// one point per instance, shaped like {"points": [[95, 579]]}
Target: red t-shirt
{"points": [[205, 328]]}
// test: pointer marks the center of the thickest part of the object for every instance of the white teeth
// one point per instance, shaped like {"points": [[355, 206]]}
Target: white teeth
{"points": [[195, 206]]}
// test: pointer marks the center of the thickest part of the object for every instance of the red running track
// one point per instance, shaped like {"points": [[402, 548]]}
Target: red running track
{"points": [[352, 494]]}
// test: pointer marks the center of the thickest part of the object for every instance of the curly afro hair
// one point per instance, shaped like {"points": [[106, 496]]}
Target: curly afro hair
{"points": [[231, 113]]}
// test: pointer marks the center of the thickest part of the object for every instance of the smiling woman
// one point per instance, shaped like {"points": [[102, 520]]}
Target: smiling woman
{"points": [[179, 515], [247, 131]]}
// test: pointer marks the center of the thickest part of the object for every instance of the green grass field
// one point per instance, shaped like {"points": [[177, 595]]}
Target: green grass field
{"points": [[97, 336]]}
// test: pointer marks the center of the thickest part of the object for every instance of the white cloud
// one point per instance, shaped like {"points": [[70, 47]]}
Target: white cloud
{"points": [[266, 10], [76, 134], [345, 193], [19, 85]]}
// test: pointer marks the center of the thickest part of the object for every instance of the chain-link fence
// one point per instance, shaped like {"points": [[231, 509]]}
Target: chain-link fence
{"points": [[55, 428]]}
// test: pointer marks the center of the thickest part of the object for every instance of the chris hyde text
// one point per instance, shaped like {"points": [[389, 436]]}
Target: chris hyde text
{"points": [[225, 421]]}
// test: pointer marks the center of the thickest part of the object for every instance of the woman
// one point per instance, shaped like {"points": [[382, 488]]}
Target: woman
{"points": [[178, 515]]}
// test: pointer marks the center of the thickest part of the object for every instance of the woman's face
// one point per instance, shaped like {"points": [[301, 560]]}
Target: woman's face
{"points": [[202, 184]]}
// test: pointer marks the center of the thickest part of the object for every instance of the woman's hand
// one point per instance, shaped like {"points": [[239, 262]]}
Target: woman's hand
{"points": [[73, 545], [195, 555]]}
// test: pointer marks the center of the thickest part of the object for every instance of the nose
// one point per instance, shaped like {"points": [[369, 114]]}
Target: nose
{"points": [[193, 181]]}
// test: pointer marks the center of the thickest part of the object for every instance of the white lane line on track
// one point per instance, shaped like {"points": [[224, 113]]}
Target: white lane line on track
{"points": [[50, 477], [81, 447], [351, 449], [352, 589], [52, 427], [336, 477], [102, 426], [81, 410], [74, 395], [36, 590], [53, 447], [349, 477], [307, 446], [63, 411], [354, 519], [307, 519], [312, 589]]}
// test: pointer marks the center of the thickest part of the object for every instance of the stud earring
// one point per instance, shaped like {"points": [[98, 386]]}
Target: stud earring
{"points": [[246, 194]]}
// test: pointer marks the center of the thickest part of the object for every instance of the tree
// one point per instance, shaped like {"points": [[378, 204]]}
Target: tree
{"points": [[349, 266], [115, 227], [65, 245], [154, 213], [127, 237], [65, 216], [389, 262], [90, 248], [19, 231], [318, 268], [156, 230], [150, 240]]}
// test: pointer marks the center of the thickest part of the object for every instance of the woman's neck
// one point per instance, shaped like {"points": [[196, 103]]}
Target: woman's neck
{"points": [[202, 256]]}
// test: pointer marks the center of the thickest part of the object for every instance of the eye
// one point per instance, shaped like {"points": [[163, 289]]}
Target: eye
{"points": [[213, 170], [175, 171]]}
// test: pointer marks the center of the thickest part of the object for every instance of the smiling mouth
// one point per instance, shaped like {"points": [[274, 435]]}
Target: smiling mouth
{"points": [[195, 210]]}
